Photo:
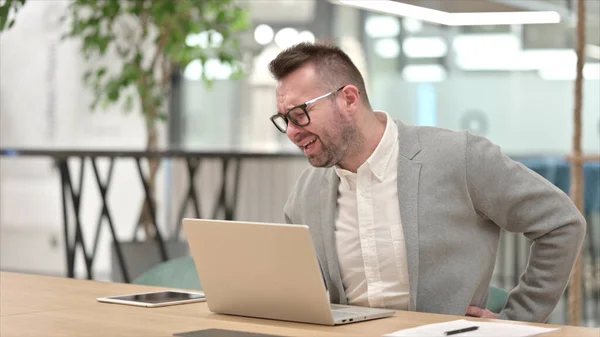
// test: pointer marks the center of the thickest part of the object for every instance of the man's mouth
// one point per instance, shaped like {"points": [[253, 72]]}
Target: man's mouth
{"points": [[307, 145]]}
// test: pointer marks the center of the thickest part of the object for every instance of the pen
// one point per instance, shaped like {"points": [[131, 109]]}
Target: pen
{"points": [[454, 332]]}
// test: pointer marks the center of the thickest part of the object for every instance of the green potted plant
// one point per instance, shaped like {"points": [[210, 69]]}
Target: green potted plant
{"points": [[150, 39]]}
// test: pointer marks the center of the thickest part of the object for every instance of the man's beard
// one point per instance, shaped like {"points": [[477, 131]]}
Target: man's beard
{"points": [[349, 143]]}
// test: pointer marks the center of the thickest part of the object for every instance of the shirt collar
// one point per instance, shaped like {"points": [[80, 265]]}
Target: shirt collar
{"points": [[380, 158]]}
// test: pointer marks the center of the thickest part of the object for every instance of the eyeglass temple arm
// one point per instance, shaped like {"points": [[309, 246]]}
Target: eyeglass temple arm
{"points": [[323, 96]]}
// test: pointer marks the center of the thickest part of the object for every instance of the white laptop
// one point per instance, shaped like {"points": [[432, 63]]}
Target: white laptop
{"points": [[267, 271]]}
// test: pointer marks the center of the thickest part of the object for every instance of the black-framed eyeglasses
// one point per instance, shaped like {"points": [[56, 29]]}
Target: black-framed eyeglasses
{"points": [[298, 114]]}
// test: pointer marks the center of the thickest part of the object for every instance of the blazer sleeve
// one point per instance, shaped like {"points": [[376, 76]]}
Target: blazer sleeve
{"points": [[521, 201]]}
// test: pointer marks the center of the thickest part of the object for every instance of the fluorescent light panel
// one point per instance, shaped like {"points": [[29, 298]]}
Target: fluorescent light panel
{"points": [[521, 61], [486, 44], [499, 52], [387, 48], [377, 26], [424, 73], [455, 19], [591, 71], [286, 37], [263, 34], [424, 47]]}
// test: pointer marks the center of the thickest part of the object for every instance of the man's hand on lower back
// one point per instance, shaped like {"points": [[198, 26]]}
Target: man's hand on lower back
{"points": [[478, 312]]}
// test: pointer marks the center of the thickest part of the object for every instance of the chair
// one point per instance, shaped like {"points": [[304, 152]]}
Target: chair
{"points": [[179, 273], [496, 299]]}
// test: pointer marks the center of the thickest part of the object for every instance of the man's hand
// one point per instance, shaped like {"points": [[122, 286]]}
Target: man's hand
{"points": [[478, 312]]}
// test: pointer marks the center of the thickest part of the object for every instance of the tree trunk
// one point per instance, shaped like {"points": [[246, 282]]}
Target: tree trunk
{"points": [[577, 183], [145, 218]]}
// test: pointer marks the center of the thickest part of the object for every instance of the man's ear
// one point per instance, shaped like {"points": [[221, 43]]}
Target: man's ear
{"points": [[351, 97]]}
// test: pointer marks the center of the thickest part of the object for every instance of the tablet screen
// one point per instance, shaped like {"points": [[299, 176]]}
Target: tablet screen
{"points": [[160, 297]]}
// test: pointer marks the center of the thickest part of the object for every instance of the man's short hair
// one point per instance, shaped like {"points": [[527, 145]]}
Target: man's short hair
{"points": [[333, 65]]}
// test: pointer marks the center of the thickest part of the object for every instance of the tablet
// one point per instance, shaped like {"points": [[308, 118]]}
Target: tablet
{"points": [[155, 299]]}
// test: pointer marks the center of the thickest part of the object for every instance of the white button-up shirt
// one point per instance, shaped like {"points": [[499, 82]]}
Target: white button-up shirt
{"points": [[369, 237]]}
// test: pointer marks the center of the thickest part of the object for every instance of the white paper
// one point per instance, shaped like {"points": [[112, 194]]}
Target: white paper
{"points": [[486, 329]]}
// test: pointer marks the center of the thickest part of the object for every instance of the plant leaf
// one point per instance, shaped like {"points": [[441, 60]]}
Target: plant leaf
{"points": [[129, 103], [138, 24]]}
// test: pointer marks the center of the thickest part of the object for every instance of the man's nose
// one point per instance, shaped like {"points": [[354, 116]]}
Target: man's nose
{"points": [[292, 131]]}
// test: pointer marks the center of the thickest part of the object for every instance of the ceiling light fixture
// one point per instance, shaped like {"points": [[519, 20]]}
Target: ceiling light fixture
{"points": [[591, 71], [424, 73], [387, 48], [455, 19], [425, 47], [377, 26], [263, 34]]}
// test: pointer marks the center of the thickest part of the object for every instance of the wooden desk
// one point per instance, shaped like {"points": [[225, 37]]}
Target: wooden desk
{"points": [[32, 305]]}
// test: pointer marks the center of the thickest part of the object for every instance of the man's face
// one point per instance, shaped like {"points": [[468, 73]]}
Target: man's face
{"points": [[329, 137]]}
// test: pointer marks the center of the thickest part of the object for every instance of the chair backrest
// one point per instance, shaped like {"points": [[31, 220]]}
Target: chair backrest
{"points": [[179, 273], [496, 299]]}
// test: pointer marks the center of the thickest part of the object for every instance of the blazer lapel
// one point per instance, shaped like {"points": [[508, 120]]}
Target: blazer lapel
{"points": [[408, 196], [328, 211]]}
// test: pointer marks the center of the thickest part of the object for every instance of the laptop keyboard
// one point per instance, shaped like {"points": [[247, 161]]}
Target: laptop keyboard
{"points": [[343, 312], [337, 315]]}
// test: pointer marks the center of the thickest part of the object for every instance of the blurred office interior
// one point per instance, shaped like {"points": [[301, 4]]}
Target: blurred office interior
{"points": [[511, 81]]}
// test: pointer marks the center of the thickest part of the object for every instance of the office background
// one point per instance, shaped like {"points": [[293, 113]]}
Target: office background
{"points": [[511, 83]]}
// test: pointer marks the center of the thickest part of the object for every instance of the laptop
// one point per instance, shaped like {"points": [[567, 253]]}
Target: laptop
{"points": [[265, 270]]}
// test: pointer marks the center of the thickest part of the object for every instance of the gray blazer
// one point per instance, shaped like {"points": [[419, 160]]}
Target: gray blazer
{"points": [[456, 192]]}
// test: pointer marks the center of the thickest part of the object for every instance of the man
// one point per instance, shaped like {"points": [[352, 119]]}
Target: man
{"points": [[409, 217]]}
